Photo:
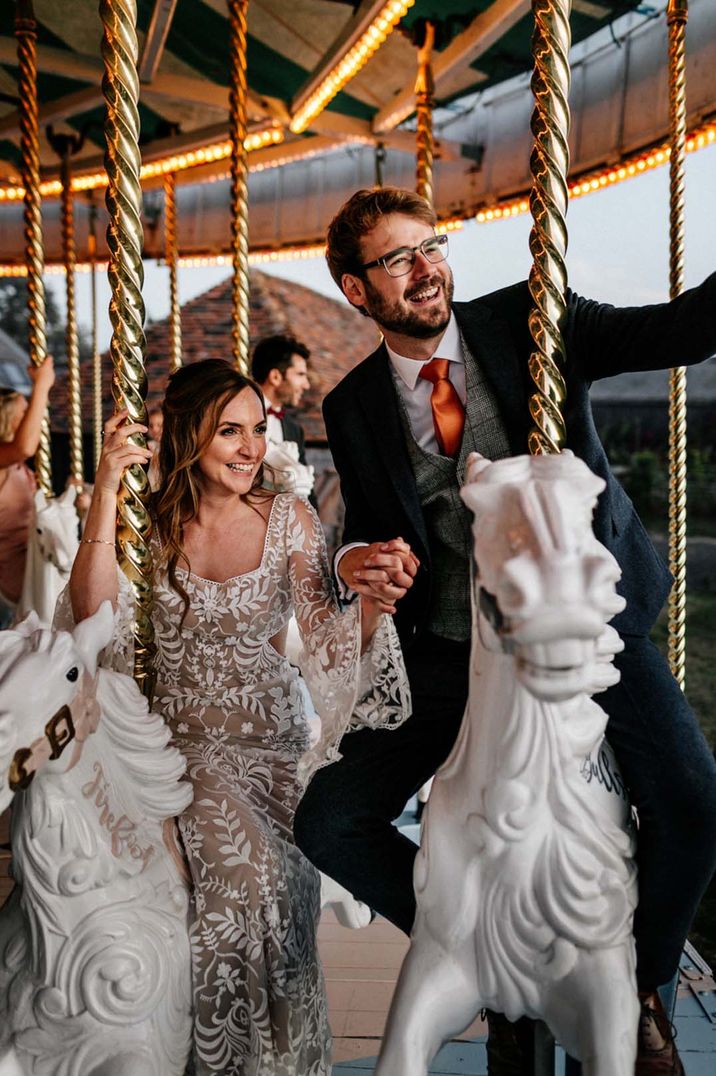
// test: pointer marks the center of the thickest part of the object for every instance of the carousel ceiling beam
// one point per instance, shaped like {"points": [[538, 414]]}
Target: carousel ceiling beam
{"points": [[483, 32], [185, 88], [591, 8], [54, 111], [164, 148], [351, 129], [367, 17], [362, 18], [156, 39]]}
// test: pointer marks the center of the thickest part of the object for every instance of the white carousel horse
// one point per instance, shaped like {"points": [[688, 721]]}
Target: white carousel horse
{"points": [[94, 948], [525, 882], [51, 547]]}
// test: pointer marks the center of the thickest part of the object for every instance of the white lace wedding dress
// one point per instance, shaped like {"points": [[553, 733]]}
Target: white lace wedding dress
{"points": [[239, 713]]}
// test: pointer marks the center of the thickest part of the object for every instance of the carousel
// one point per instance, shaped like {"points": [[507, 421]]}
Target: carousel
{"points": [[242, 125]]}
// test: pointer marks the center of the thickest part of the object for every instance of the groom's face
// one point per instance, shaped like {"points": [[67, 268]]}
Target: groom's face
{"points": [[416, 304]]}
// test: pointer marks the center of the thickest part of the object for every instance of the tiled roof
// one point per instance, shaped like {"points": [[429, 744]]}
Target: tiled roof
{"points": [[337, 335]]}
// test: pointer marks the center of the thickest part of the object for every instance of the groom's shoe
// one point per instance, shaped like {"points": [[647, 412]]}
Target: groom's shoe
{"points": [[656, 1050], [510, 1047]]}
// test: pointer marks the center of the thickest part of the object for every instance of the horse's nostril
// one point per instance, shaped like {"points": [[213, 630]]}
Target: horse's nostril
{"points": [[72, 674]]}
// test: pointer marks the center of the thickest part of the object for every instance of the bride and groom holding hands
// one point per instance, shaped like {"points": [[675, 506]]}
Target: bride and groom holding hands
{"points": [[387, 662]]}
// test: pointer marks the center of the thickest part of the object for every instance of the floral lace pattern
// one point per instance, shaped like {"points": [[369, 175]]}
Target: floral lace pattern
{"points": [[239, 714]]}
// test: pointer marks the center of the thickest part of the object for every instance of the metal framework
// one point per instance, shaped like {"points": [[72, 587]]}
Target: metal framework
{"points": [[170, 256], [26, 34], [549, 164], [424, 105], [239, 184], [96, 358], [126, 276], [677, 15]]}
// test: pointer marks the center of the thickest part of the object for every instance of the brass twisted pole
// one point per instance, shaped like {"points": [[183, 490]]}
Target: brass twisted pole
{"points": [[424, 104], [26, 34], [96, 358], [120, 86], [170, 256], [74, 386], [549, 164], [239, 184], [677, 16]]}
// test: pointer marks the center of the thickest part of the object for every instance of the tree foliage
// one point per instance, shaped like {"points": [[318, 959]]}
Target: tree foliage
{"points": [[13, 320]]}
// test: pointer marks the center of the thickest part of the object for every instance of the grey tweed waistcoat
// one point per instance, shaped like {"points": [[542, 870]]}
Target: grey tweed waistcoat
{"points": [[447, 521]]}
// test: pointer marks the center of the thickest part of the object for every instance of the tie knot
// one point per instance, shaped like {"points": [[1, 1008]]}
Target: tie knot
{"points": [[435, 370], [277, 412]]}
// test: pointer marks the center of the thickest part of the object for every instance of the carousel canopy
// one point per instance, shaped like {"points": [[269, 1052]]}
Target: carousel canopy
{"points": [[311, 146]]}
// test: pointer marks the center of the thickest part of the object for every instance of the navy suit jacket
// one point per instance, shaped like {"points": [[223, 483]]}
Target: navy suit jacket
{"points": [[366, 437]]}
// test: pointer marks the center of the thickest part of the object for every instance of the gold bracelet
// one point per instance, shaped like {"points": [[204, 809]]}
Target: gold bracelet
{"points": [[95, 541]]}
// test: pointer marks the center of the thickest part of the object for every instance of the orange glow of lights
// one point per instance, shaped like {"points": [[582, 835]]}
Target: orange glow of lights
{"points": [[350, 64], [608, 177]]}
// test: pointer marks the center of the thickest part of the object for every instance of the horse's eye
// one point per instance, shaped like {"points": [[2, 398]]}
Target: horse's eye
{"points": [[72, 674], [39, 530]]}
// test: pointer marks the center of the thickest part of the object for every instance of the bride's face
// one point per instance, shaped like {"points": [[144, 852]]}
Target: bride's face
{"points": [[233, 456]]}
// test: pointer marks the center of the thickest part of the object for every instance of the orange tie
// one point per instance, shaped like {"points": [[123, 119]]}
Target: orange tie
{"points": [[448, 412]]}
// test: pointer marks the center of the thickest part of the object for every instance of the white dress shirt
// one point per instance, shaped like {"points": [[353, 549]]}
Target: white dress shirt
{"points": [[415, 391]]}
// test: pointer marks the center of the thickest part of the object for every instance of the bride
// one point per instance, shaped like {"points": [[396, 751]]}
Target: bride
{"points": [[233, 561]]}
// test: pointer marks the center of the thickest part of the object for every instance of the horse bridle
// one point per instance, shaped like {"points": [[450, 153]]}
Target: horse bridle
{"points": [[59, 730]]}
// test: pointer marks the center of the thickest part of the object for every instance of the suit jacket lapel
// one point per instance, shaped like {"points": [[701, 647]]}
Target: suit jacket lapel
{"points": [[490, 340], [377, 398]]}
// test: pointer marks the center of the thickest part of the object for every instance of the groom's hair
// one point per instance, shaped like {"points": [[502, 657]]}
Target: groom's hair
{"points": [[359, 215]]}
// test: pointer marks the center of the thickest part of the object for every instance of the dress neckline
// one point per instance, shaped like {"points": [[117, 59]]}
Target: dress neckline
{"points": [[240, 575]]}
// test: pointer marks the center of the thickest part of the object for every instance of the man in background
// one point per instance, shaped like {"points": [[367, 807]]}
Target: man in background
{"points": [[280, 368]]}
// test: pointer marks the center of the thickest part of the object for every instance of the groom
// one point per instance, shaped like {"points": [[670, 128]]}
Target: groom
{"points": [[451, 378]]}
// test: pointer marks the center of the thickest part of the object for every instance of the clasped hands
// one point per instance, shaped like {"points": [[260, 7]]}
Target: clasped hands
{"points": [[381, 572]]}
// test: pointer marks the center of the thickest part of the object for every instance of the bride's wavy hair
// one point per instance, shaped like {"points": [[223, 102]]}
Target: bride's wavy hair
{"points": [[193, 404]]}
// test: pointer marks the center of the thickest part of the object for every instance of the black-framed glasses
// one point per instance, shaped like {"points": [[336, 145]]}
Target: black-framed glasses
{"points": [[401, 261]]}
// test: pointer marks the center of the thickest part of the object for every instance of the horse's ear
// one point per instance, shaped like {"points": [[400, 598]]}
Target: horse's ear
{"points": [[29, 625], [93, 634], [40, 500], [68, 496]]}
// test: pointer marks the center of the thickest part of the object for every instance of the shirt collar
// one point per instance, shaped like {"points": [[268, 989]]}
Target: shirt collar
{"points": [[450, 348]]}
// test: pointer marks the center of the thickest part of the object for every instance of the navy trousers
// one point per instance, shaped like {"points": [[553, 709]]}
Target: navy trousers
{"points": [[344, 823]]}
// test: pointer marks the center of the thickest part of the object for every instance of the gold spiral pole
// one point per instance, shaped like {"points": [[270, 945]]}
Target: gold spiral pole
{"points": [[74, 387], [120, 86], [549, 164], [96, 358], [170, 256], [424, 104], [239, 185], [677, 15], [26, 34]]}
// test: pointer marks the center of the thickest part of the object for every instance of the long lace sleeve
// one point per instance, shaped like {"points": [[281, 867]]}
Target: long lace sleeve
{"points": [[349, 690], [119, 653]]}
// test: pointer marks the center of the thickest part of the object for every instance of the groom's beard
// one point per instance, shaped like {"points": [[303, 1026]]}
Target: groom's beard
{"points": [[399, 317]]}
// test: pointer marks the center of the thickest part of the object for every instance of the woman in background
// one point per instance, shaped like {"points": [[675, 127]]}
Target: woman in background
{"points": [[20, 427]]}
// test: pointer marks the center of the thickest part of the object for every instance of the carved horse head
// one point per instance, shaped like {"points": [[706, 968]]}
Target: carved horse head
{"points": [[547, 587], [41, 674]]}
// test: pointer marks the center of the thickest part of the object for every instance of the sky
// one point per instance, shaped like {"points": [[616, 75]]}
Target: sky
{"points": [[618, 250]]}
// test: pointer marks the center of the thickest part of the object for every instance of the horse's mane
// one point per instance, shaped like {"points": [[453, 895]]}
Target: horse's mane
{"points": [[138, 740]]}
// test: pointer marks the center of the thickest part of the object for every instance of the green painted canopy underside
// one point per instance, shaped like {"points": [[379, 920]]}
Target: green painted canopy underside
{"points": [[287, 39]]}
